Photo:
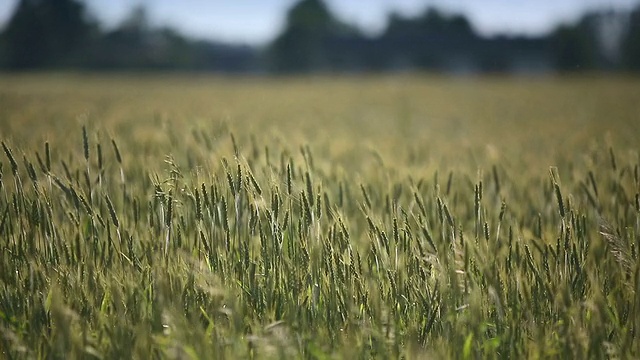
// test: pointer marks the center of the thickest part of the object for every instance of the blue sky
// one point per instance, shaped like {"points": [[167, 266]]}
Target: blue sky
{"points": [[258, 21]]}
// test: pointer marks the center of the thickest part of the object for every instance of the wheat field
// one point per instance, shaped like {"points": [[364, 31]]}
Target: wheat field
{"points": [[412, 216]]}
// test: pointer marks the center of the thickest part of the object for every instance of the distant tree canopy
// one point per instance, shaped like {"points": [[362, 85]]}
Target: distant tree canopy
{"points": [[133, 43], [305, 43], [61, 34], [631, 43], [574, 47], [43, 33], [430, 40], [430, 22]]}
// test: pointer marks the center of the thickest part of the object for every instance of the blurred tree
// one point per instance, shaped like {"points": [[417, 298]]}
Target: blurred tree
{"points": [[305, 44], [128, 44], [434, 22], [429, 41], [136, 44], [47, 33], [631, 42], [574, 47]]}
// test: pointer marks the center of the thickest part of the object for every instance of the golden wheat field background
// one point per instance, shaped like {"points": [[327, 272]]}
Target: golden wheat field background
{"points": [[400, 216], [536, 118]]}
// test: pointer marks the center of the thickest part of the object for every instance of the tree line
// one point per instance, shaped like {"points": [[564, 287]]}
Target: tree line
{"points": [[62, 34]]}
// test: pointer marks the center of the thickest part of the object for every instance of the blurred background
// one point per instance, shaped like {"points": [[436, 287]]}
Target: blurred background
{"points": [[316, 36]]}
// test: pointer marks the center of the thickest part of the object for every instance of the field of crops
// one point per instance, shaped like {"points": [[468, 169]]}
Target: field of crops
{"points": [[408, 216]]}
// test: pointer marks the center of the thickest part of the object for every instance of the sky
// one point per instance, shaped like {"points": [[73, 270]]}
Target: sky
{"points": [[256, 22]]}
